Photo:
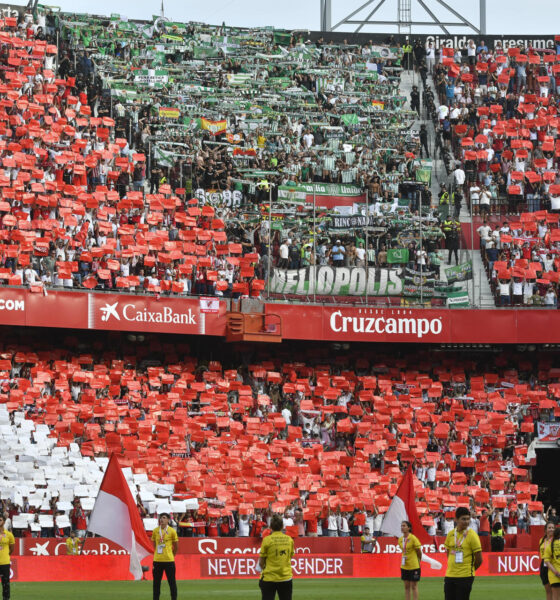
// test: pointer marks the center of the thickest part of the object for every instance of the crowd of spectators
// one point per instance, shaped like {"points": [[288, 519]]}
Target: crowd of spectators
{"points": [[497, 130], [333, 432], [94, 198]]}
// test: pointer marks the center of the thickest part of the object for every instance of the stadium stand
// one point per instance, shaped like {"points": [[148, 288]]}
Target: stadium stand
{"points": [[102, 190], [275, 434], [497, 130], [77, 213]]}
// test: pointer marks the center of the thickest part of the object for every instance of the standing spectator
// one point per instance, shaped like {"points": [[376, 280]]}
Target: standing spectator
{"points": [[332, 525], [415, 100], [497, 541], [366, 542], [431, 476], [484, 524], [343, 529], [444, 200], [78, 518], [73, 544], [484, 202], [424, 141], [283, 260], [551, 515], [244, 526], [451, 229], [459, 177], [430, 57], [338, 253]]}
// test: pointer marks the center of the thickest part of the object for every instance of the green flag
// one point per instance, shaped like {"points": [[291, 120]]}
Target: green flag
{"points": [[163, 157], [397, 255], [349, 119], [462, 272], [458, 299], [282, 38]]}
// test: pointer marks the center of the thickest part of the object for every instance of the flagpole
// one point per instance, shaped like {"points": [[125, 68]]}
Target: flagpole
{"points": [[472, 259], [421, 240], [367, 245], [314, 246], [269, 261]]}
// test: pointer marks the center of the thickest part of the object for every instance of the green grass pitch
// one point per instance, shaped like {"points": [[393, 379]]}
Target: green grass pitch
{"points": [[494, 588]]}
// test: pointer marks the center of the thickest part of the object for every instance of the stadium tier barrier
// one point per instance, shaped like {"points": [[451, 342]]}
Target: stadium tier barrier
{"points": [[193, 567], [247, 546]]}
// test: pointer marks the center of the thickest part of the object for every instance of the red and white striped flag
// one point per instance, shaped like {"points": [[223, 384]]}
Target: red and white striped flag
{"points": [[403, 508], [116, 517]]}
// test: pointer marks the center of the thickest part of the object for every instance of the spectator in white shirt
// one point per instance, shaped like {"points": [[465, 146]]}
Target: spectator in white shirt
{"points": [[343, 529], [244, 527], [284, 254], [332, 525], [459, 177], [448, 525], [431, 476]]}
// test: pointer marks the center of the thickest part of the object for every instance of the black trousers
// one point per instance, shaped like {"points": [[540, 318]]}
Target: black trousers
{"points": [[457, 588], [450, 253], [269, 589], [169, 569], [5, 574]]}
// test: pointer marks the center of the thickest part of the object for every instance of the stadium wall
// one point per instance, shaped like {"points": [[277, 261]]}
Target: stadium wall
{"points": [[194, 567], [99, 546], [187, 316]]}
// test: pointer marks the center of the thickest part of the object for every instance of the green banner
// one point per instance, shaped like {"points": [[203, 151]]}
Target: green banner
{"points": [[462, 272], [337, 281], [295, 194], [397, 255], [151, 77], [282, 38], [205, 52], [458, 299]]}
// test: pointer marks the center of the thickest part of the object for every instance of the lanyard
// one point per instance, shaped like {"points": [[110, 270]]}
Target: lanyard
{"points": [[457, 544], [404, 544], [162, 535]]}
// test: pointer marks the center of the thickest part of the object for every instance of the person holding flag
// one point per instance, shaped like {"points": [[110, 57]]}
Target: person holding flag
{"points": [[166, 543], [464, 556], [410, 561]]}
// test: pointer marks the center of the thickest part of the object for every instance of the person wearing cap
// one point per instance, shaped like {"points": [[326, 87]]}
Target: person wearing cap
{"points": [[407, 55], [338, 252], [166, 543]]}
